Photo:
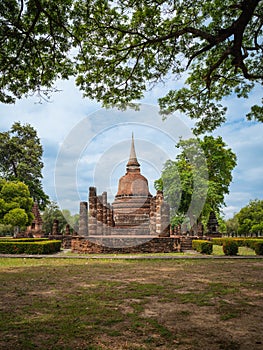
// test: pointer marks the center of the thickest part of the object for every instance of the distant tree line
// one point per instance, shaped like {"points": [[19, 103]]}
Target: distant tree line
{"points": [[248, 221]]}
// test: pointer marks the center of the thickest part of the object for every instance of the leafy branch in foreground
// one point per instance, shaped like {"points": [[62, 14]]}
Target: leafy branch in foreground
{"points": [[119, 49]]}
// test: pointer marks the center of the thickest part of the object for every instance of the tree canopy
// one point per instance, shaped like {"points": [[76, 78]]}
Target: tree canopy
{"points": [[248, 221], [15, 204], [20, 159], [196, 182], [119, 49]]}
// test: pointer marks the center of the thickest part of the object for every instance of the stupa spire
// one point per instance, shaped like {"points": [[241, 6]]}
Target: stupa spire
{"points": [[133, 163]]}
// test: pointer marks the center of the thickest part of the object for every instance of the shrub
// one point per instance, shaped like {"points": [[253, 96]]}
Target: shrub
{"points": [[12, 239], [252, 242], [218, 241], [202, 246], [230, 247], [241, 242], [25, 247], [259, 247]]}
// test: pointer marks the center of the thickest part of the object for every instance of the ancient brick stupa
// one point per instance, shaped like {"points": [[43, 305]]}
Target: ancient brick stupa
{"points": [[35, 229], [133, 213], [131, 207]]}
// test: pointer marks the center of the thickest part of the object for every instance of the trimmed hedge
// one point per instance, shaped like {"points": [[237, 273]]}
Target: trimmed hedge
{"points": [[11, 239], [202, 246], [258, 247], [252, 243], [230, 247], [241, 242], [22, 247]]}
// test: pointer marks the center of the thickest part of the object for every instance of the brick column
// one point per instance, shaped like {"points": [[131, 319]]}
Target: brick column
{"points": [[108, 228], [55, 228], [165, 219], [104, 213], [153, 216], [67, 233], [110, 220], [99, 215], [83, 216], [92, 221], [159, 199]]}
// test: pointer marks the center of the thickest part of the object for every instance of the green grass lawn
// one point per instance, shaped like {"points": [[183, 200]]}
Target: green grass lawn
{"points": [[131, 304], [218, 250]]}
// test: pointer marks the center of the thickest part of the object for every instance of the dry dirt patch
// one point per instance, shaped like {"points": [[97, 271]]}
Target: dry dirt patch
{"points": [[151, 304]]}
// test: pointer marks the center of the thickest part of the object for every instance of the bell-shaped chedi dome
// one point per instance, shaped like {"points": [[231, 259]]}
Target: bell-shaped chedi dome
{"points": [[131, 206], [133, 183]]}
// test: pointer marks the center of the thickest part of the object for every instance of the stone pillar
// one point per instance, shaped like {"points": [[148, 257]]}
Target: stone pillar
{"points": [[92, 221], [162, 212], [110, 221], [200, 229], [165, 219], [177, 230], [67, 233], [158, 202], [83, 217], [104, 213], [99, 215], [153, 216], [55, 228]]}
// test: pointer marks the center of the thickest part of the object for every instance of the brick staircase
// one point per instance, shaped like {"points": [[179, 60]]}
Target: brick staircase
{"points": [[186, 243]]}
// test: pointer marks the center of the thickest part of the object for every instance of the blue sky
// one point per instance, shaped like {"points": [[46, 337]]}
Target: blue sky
{"points": [[85, 145]]}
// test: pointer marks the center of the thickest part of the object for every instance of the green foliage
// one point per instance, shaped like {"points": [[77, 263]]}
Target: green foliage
{"points": [[36, 45], [196, 182], [11, 239], [15, 204], [248, 221], [221, 223], [117, 50], [259, 248], [72, 220], [232, 226], [158, 184], [220, 241], [250, 218], [6, 230], [27, 247], [177, 220], [251, 243], [203, 247], [20, 159], [230, 247], [53, 212], [230, 244], [16, 217]]}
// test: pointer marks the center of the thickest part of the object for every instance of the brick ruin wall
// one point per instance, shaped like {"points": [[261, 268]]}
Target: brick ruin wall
{"points": [[153, 245], [97, 218], [98, 232]]}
